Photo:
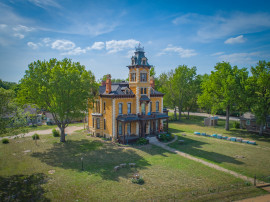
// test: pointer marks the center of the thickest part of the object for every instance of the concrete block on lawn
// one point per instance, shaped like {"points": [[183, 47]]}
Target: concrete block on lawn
{"points": [[123, 165], [197, 133], [233, 139], [239, 139], [132, 164], [251, 142], [116, 168]]}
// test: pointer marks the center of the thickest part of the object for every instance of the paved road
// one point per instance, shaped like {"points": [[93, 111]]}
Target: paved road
{"points": [[208, 115], [68, 130]]}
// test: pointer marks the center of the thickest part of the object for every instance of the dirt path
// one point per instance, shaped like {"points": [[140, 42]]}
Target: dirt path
{"points": [[154, 141], [68, 130], [232, 118]]}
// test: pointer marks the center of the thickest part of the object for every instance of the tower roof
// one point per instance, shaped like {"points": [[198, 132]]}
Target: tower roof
{"points": [[139, 59]]}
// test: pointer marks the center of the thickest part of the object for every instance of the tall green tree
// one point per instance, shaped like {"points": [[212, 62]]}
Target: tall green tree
{"points": [[6, 108], [259, 88], [165, 85], [182, 81], [62, 87], [220, 91]]}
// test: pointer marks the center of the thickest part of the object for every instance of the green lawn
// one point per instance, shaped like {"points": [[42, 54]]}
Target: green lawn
{"points": [[25, 173], [246, 159]]}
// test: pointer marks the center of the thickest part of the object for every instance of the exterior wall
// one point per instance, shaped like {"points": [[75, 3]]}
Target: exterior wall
{"points": [[153, 100]]}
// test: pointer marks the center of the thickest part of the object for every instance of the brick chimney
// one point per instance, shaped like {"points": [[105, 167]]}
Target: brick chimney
{"points": [[108, 84], [152, 82], [103, 83]]}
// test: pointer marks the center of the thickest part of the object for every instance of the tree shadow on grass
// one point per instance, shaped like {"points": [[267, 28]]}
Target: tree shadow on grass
{"points": [[192, 147], [246, 134], [98, 158], [23, 188]]}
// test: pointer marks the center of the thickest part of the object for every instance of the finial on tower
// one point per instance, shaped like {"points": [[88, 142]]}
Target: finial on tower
{"points": [[139, 48]]}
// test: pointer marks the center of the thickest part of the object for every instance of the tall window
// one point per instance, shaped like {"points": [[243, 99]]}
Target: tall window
{"points": [[104, 106], [104, 124], [120, 128], [133, 76], [129, 108], [150, 107], [98, 123], [157, 106], [141, 90], [93, 122], [143, 108], [120, 106], [128, 129], [144, 90], [143, 77]]}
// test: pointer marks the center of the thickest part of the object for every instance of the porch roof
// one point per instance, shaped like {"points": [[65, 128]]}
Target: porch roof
{"points": [[134, 117]]}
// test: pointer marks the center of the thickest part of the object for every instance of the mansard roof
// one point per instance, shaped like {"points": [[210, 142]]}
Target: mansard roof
{"points": [[137, 59], [122, 89]]}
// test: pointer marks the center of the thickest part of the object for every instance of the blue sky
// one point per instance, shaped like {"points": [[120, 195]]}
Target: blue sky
{"points": [[102, 34]]}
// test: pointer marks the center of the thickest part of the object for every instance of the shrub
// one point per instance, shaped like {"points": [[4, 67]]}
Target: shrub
{"points": [[236, 124], [5, 141], [34, 125], [142, 141], [55, 133], [139, 180], [165, 137], [35, 137]]}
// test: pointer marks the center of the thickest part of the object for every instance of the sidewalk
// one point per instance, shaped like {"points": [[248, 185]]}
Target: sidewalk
{"points": [[68, 130]]}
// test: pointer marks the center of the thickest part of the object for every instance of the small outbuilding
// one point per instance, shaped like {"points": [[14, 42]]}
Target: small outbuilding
{"points": [[211, 121]]}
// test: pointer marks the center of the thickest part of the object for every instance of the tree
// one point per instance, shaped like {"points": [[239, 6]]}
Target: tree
{"points": [[152, 72], [193, 91], [63, 88], [221, 90], [166, 86], [6, 108], [104, 78], [259, 88], [182, 81]]}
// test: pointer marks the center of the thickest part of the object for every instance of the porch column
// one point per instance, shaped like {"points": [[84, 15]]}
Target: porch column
{"points": [[124, 132], [167, 125], [159, 125], [117, 130]]}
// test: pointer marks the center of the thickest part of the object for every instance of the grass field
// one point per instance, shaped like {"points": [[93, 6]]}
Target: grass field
{"points": [[25, 168], [246, 159]]}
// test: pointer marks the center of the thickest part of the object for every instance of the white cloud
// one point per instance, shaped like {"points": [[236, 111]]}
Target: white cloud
{"points": [[75, 51], [46, 41], [97, 46], [217, 53], [32, 45], [3, 26], [45, 3], [63, 45], [183, 53], [240, 58], [114, 46], [238, 39], [22, 28], [20, 36], [224, 25]]}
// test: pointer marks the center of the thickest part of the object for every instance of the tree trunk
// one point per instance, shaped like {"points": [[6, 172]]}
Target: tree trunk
{"points": [[227, 125], [180, 110], [241, 125], [261, 129], [175, 117], [188, 114], [62, 138]]}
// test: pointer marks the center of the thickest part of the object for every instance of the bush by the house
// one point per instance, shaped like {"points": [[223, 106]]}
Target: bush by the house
{"points": [[55, 133], [5, 141], [236, 124], [165, 137], [139, 180], [35, 136], [142, 141]]}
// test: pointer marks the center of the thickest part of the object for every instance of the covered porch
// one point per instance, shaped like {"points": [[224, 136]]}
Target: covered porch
{"points": [[131, 127]]}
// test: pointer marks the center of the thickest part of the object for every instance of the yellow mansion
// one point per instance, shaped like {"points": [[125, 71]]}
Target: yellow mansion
{"points": [[126, 111]]}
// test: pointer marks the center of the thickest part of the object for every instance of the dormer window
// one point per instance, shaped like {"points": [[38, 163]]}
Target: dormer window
{"points": [[144, 61], [133, 62]]}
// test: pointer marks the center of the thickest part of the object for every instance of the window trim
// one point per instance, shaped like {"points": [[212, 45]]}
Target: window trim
{"points": [[157, 106], [129, 112], [145, 78], [104, 106], [120, 103], [98, 123]]}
